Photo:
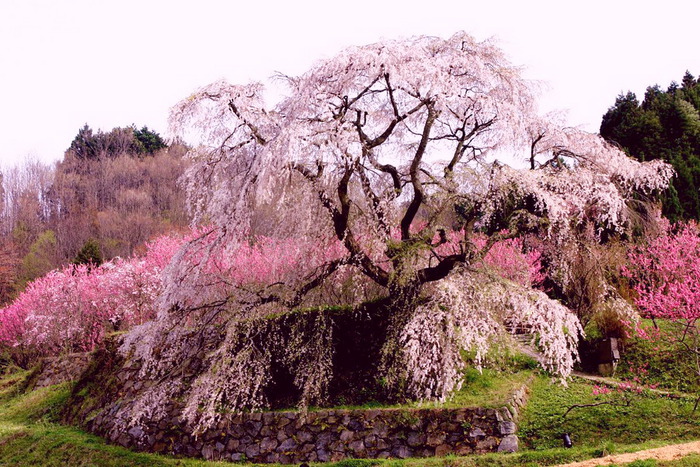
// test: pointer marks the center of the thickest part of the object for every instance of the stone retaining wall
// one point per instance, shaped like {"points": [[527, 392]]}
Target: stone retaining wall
{"points": [[106, 391], [330, 435], [55, 370]]}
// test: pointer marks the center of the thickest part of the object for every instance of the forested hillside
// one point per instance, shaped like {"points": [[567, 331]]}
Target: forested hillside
{"points": [[111, 192], [665, 125]]}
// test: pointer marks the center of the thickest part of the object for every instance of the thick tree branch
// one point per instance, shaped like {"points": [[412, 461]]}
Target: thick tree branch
{"points": [[442, 269], [463, 143], [379, 140], [253, 129], [533, 150], [418, 193], [326, 270], [375, 202], [340, 219], [389, 169]]}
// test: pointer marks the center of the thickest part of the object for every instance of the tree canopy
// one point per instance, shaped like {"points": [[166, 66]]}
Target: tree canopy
{"points": [[666, 126], [128, 140]]}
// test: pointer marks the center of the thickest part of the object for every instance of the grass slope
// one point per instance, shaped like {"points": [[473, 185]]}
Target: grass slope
{"points": [[29, 434], [648, 417]]}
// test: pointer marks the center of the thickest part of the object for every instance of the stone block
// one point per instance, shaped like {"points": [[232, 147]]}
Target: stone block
{"points": [[358, 447], [356, 425], [208, 452], [287, 445], [464, 450], [443, 450], [346, 435], [252, 451], [252, 427], [435, 439], [486, 445], [136, 432], [415, 439], [505, 414], [304, 436], [402, 452], [508, 444], [268, 444], [323, 455], [507, 428]]}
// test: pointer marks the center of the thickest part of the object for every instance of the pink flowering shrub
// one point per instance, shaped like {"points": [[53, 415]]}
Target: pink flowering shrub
{"points": [[69, 310], [600, 390], [510, 260], [666, 275]]}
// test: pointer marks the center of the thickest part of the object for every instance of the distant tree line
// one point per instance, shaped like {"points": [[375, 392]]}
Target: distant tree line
{"points": [[665, 125], [119, 141], [111, 192]]}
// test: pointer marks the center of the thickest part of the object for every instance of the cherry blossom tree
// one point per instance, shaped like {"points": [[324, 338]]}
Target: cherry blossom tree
{"points": [[388, 153]]}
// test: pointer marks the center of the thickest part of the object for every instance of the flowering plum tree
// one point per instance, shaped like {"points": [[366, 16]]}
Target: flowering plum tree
{"points": [[665, 274], [386, 152], [70, 309]]}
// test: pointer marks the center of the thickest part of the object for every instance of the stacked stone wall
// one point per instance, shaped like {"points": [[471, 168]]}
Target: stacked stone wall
{"points": [[109, 386], [56, 370], [330, 435]]}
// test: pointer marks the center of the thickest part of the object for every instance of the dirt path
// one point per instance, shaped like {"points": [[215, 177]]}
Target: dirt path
{"points": [[665, 453]]}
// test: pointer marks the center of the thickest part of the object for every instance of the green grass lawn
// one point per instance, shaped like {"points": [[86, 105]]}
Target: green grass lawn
{"points": [[30, 434], [648, 417], [487, 388]]}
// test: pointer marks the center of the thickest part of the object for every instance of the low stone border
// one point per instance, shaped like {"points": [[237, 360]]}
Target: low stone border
{"points": [[289, 436], [330, 435]]}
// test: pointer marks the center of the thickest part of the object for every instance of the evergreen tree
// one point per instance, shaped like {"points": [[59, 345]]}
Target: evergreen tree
{"points": [[665, 125], [149, 140], [90, 254]]}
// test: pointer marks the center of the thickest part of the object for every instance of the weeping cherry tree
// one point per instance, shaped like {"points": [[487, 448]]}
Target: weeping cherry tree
{"points": [[384, 162]]}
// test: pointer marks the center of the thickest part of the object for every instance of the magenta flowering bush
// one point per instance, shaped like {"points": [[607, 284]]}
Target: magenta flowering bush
{"points": [[71, 309], [666, 275]]}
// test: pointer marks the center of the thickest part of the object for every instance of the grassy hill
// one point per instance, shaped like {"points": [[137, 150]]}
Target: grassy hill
{"points": [[31, 435]]}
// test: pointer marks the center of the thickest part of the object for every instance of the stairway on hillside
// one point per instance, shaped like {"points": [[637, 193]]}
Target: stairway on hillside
{"points": [[524, 340]]}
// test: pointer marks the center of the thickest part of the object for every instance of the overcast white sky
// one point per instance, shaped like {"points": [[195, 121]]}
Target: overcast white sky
{"points": [[112, 63]]}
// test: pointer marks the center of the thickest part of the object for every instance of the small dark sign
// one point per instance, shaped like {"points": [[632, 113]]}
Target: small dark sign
{"points": [[608, 351]]}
